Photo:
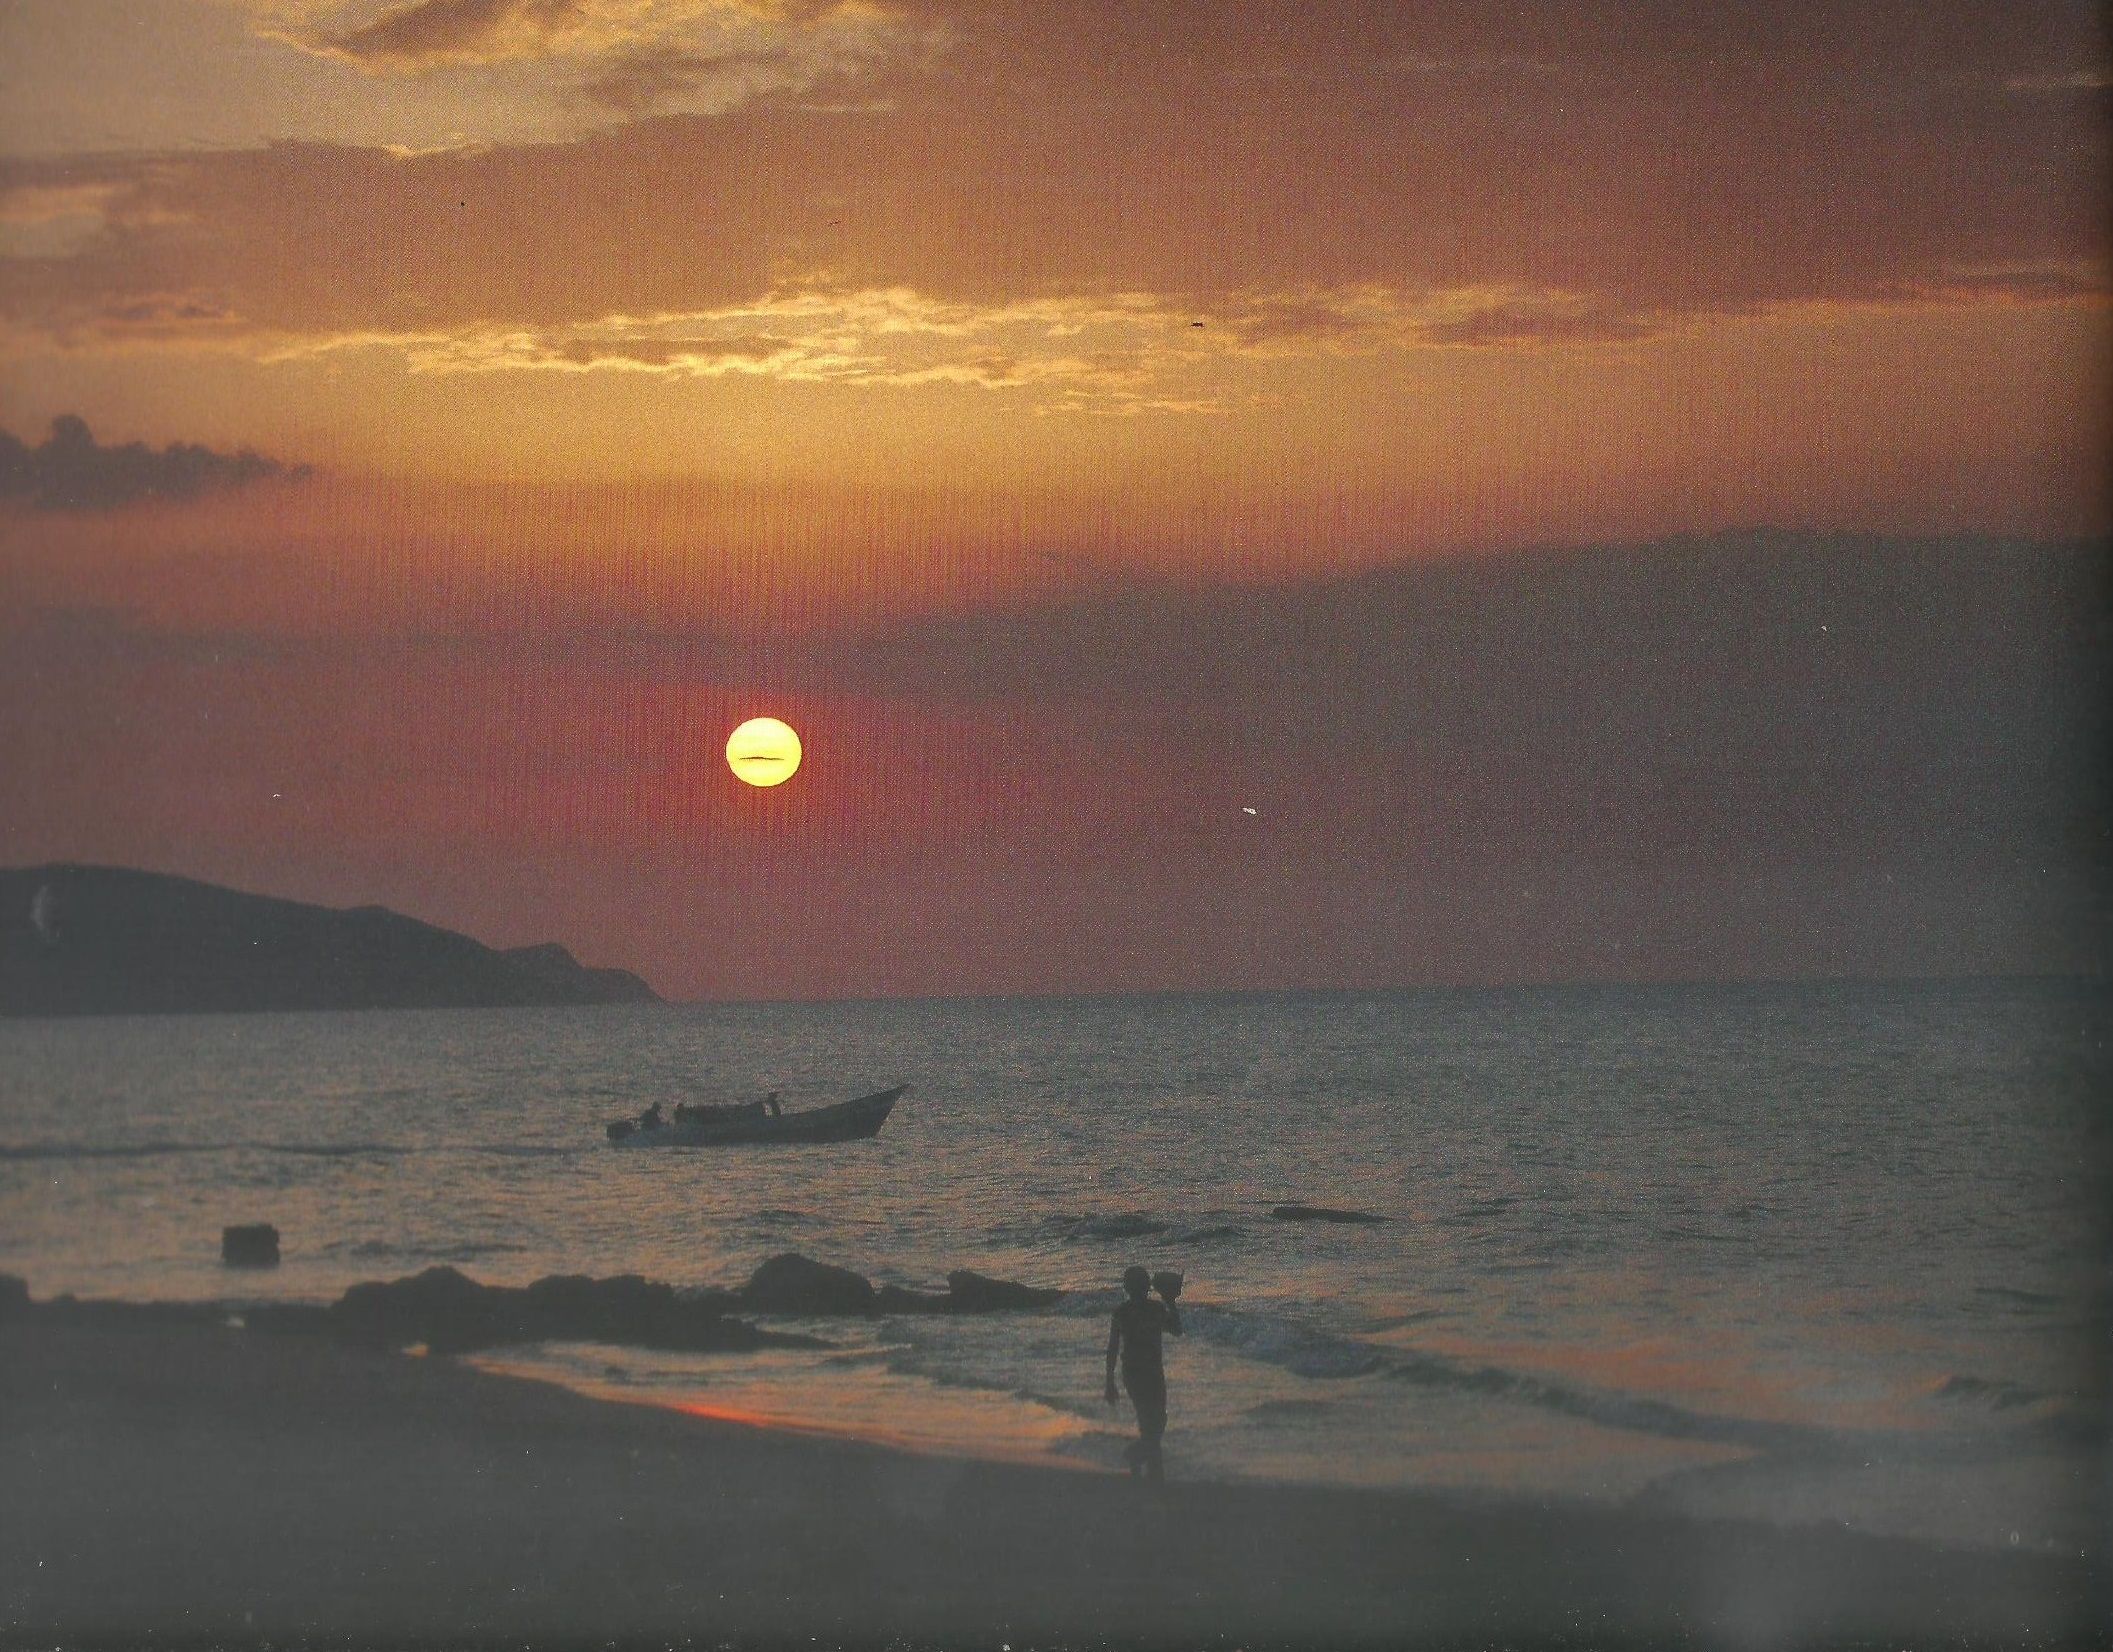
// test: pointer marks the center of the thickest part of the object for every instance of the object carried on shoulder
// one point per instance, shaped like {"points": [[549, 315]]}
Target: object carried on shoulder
{"points": [[1167, 1283]]}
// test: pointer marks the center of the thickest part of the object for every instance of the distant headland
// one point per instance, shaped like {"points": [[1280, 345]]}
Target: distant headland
{"points": [[103, 940]]}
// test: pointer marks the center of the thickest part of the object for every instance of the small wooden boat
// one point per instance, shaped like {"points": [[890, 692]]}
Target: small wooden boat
{"points": [[852, 1120]]}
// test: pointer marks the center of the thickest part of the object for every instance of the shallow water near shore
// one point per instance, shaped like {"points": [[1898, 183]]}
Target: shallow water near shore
{"points": [[1808, 1254]]}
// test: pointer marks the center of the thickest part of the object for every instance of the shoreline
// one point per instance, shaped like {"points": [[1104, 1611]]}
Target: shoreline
{"points": [[582, 1336], [878, 1439], [175, 1480]]}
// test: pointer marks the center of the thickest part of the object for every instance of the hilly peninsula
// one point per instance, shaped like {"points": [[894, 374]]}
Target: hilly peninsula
{"points": [[98, 940]]}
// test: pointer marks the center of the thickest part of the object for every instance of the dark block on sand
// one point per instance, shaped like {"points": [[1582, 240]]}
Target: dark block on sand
{"points": [[253, 1245], [1322, 1213], [795, 1284]]}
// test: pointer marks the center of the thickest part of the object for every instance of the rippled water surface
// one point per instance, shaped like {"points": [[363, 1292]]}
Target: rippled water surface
{"points": [[1805, 1253]]}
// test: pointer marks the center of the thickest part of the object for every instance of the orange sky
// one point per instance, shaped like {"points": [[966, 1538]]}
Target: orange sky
{"points": [[659, 361]]}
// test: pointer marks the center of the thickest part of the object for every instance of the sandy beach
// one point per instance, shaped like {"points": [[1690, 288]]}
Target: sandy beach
{"points": [[171, 1480]]}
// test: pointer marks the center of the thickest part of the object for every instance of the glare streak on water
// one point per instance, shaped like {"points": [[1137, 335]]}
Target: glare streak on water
{"points": [[1795, 1251]]}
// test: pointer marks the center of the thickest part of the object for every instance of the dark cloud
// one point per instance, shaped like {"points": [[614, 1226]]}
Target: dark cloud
{"points": [[430, 33], [72, 471], [1766, 696]]}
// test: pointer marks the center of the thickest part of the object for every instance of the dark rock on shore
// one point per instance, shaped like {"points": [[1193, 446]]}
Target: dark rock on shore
{"points": [[1322, 1213], [441, 1307], [451, 1313], [252, 1245]]}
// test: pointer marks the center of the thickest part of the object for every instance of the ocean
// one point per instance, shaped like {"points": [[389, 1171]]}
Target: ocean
{"points": [[1807, 1254]]}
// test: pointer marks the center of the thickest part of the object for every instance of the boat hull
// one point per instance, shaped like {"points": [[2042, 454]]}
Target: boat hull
{"points": [[854, 1120]]}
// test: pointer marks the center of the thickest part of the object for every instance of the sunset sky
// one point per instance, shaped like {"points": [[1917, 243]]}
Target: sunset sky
{"points": [[1230, 495]]}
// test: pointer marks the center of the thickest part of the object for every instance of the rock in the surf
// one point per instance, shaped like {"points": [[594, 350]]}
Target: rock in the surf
{"points": [[974, 1293], [794, 1284], [14, 1297], [250, 1245], [573, 1307]]}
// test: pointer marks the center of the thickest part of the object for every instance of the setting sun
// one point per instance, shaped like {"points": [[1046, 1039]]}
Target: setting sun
{"points": [[763, 752]]}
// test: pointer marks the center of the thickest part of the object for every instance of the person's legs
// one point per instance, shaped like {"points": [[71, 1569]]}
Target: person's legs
{"points": [[1151, 1429], [1150, 1399]]}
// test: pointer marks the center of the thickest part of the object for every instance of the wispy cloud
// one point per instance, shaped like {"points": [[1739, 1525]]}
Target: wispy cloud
{"points": [[621, 58], [1127, 352], [1098, 354], [2023, 281], [643, 81], [2074, 80], [47, 202], [418, 36], [53, 220]]}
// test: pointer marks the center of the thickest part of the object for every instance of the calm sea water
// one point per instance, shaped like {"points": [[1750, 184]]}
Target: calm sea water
{"points": [[1807, 1254]]}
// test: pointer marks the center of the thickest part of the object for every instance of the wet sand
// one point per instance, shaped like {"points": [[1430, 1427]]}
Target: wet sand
{"points": [[163, 1478]]}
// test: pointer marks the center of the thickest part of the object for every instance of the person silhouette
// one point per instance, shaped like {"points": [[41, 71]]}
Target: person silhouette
{"points": [[1134, 1339]]}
